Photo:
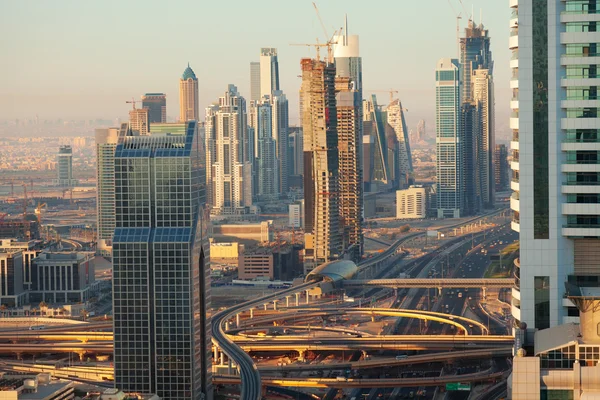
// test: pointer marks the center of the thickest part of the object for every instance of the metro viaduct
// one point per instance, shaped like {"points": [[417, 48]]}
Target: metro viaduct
{"points": [[434, 283], [362, 383], [80, 349]]}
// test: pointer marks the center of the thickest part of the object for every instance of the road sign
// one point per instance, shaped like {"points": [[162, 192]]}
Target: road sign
{"points": [[458, 386]]}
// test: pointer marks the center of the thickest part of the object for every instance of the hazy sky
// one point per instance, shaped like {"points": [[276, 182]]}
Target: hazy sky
{"points": [[84, 59]]}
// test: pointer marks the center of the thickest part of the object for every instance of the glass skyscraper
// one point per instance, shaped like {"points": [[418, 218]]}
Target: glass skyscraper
{"points": [[161, 287], [450, 197]]}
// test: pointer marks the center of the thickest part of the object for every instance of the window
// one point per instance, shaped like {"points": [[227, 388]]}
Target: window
{"points": [[542, 302]]}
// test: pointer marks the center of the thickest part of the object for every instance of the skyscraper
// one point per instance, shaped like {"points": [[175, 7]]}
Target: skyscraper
{"points": [[269, 71], [395, 117], [188, 96], [266, 160], [161, 275], [556, 158], [348, 106], [228, 154], [64, 167], [501, 167], [323, 241], [139, 120], [449, 166], [156, 103], [106, 143], [483, 92], [254, 81], [280, 134], [296, 158]]}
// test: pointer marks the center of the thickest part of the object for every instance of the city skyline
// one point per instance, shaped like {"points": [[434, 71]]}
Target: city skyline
{"points": [[387, 66]]}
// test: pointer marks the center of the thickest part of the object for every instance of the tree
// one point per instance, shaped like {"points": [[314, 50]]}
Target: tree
{"points": [[3, 309], [43, 307]]}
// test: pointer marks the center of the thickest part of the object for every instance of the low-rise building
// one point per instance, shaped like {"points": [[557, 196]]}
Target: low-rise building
{"points": [[12, 293], [32, 386], [296, 214], [30, 250], [62, 277], [412, 202], [272, 262], [260, 232], [224, 253], [116, 394]]}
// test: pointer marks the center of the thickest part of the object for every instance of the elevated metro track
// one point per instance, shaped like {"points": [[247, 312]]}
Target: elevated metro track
{"points": [[432, 283]]}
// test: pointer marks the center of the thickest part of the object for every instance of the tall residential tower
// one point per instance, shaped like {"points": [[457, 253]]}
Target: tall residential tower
{"points": [[188, 96], [156, 103]]}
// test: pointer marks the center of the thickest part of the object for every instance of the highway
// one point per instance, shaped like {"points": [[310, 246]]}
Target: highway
{"points": [[250, 380], [433, 283]]}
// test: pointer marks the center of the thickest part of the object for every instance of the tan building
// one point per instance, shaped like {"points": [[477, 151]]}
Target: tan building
{"points": [[411, 202], [257, 263], [322, 237], [483, 84], [259, 232], [224, 253], [138, 120], [188, 96]]}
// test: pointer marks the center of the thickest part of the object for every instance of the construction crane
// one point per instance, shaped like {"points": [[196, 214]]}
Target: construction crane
{"points": [[70, 194], [320, 20], [458, 18], [318, 45], [133, 102], [391, 92], [38, 212]]}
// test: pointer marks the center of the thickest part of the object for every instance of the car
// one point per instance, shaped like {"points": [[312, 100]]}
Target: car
{"points": [[471, 344]]}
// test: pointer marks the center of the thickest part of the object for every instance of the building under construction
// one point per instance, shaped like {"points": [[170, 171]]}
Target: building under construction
{"points": [[323, 238]]}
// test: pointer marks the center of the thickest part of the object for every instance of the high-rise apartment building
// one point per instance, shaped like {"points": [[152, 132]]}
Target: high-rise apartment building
{"points": [[449, 166], [556, 156], [348, 106], [411, 203], [266, 160], [156, 103], [501, 167], [280, 134], [228, 148], [269, 71], [323, 240], [395, 118], [161, 275], [106, 144], [139, 120], [483, 92], [188, 96], [64, 167], [295, 157], [255, 81]]}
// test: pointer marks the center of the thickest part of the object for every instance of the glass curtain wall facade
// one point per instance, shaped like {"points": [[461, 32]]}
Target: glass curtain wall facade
{"points": [[449, 141], [161, 287]]}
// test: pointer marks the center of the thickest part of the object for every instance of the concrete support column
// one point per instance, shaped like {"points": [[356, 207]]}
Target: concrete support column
{"points": [[266, 306], [222, 358], [237, 320], [484, 293], [215, 353], [81, 355], [307, 296], [439, 291], [226, 325], [251, 313], [301, 356], [275, 305], [229, 366], [287, 301]]}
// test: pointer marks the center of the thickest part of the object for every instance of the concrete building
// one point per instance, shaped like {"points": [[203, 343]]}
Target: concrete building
{"points": [[228, 155], [449, 142], [350, 188], [255, 81], [295, 157], [556, 163], [412, 202], [280, 134], [30, 250], [224, 253], [501, 167], [106, 143], [64, 167], [258, 232], [296, 214], [61, 277], [20, 229], [267, 171], [271, 262], [160, 253], [322, 238], [156, 103], [255, 264], [269, 71], [12, 293], [139, 120], [117, 394], [188, 96], [483, 89], [34, 386]]}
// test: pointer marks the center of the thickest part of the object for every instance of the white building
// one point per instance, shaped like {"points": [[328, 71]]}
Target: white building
{"points": [[411, 202], [295, 215], [269, 71], [556, 155]]}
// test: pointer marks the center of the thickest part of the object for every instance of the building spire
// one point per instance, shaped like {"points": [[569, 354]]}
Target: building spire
{"points": [[346, 30]]}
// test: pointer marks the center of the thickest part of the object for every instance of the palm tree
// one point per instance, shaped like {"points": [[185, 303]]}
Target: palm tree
{"points": [[43, 306], [62, 311], [3, 309]]}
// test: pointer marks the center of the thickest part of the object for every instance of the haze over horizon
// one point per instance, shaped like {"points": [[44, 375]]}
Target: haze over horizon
{"points": [[84, 60]]}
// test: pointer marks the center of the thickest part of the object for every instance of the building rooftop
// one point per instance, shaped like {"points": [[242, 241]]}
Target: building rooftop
{"points": [[66, 256], [556, 337], [189, 74]]}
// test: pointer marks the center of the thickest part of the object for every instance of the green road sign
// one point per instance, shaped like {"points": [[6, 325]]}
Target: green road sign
{"points": [[458, 386]]}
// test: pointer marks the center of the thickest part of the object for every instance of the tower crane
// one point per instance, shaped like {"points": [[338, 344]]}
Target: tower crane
{"points": [[38, 212], [133, 101], [458, 18]]}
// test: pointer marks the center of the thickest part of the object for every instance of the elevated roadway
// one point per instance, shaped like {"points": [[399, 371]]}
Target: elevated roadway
{"points": [[50, 336], [433, 283], [79, 348], [366, 383], [249, 380], [393, 362]]}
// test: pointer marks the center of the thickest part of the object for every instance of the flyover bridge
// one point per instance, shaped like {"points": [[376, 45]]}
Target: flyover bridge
{"points": [[435, 283]]}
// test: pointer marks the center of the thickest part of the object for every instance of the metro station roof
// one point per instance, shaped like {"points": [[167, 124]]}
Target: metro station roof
{"points": [[334, 271]]}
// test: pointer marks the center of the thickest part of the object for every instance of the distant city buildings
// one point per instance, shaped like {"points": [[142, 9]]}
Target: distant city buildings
{"points": [[501, 168], [266, 161], [156, 103], [255, 81], [280, 119], [449, 167], [139, 120], [64, 167], [412, 202], [269, 71], [62, 277], [188, 96], [395, 118], [228, 155], [295, 146], [160, 253], [296, 214]]}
